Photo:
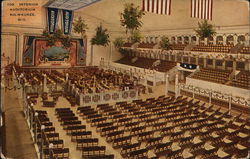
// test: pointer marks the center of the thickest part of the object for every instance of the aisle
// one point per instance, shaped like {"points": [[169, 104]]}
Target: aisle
{"points": [[18, 142]]}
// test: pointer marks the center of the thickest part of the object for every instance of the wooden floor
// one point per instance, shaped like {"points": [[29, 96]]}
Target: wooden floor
{"points": [[18, 139]]}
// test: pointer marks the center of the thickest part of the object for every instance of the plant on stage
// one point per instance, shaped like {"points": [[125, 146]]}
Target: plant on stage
{"points": [[57, 36], [205, 30], [101, 37], [118, 42], [136, 36], [80, 27], [164, 43], [131, 17]]}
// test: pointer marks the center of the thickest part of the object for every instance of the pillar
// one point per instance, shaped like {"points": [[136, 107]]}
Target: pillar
{"points": [[214, 63], [205, 41], [45, 89], [224, 65], [230, 103], [234, 65], [197, 40], [197, 60], [205, 62], [224, 39], [235, 39], [247, 66], [176, 85], [166, 84], [154, 78], [247, 40], [210, 97], [67, 77]]}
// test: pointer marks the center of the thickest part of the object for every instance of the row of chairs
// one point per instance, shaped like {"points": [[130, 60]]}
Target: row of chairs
{"points": [[155, 114], [48, 136], [213, 75], [84, 141]]}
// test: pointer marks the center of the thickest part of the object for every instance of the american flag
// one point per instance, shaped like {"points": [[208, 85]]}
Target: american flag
{"points": [[157, 6], [202, 9]]}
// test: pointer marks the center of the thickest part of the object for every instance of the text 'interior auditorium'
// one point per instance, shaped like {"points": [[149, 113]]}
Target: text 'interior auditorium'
{"points": [[125, 79]]}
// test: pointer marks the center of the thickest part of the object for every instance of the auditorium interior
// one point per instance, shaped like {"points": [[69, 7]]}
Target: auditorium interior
{"points": [[132, 79]]}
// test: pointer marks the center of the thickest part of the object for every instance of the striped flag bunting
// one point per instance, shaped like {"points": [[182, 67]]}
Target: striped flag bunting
{"points": [[202, 9], [157, 6]]}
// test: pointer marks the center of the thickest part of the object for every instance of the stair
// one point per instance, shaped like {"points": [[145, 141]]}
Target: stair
{"points": [[236, 48]]}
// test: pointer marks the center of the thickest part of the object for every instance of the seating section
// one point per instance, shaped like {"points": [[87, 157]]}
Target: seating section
{"points": [[48, 136], [126, 60], [85, 142], [178, 46], [127, 44], [245, 50], [166, 127], [146, 45], [165, 66], [213, 48], [95, 80], [212, 75], [147, 63], [242, 80]]}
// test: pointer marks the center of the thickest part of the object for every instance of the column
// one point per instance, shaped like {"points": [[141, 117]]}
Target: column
{"points": [[36, 121], [214, 40], [214, 63], [234, 65], [224, 65], [247, 39], [81, 98], [197, 40], [247, 66], [235, 39], [91, 55], [45, 89], [197, 60], [224, 39], [67, 77], [205, 41], [230, 103], [210, 97], [166, 84], [205, 62], [154, 78], [176, 85], [182, 40]]}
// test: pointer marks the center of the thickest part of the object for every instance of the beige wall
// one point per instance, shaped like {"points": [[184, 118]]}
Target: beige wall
{"points": [[8, 45], [229, 16]]}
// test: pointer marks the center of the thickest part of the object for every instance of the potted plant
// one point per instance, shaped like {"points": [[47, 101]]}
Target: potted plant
{"points": [[101, 37], [164, 43], [118, 42], [80, 27], [205, 30]]}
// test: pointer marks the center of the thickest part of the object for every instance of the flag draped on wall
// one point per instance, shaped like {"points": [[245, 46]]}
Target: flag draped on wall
{"points": [[52, 17], [202, 9], [157, 6], [67, 18]]}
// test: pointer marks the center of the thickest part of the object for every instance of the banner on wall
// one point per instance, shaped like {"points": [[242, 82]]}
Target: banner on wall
{"points": [[67, 18], [52, 19]]}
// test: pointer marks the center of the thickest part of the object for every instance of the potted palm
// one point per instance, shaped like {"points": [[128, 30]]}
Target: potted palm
{"points": [[205, 30], [130, 18]]}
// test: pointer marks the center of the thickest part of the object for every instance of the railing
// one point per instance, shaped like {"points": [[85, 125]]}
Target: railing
{"points": [[215, 95], [159, 54], [107, 97], [33, 121]]}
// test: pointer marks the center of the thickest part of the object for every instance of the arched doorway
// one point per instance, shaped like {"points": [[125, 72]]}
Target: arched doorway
{"points": [[230, 40], [219, 40]]}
